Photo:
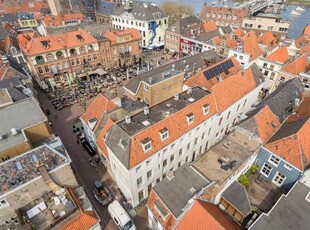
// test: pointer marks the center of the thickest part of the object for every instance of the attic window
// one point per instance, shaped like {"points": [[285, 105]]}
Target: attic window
{"points": [[19, 165], [190, 118], [160, 209], [164, 134], [92, 123], [45, 44], [122, 143], [206, 109], [146, 144], [79, 37]]}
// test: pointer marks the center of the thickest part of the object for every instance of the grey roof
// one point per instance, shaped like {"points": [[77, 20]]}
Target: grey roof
{"points": [[24, 16], [237, 196], [282, 100], [12, 177], [179, 65], [10, 117], [14, 88], [3, 33], [227, 29], [95, 29], [10, 18], [207, 36], [175, 193], [291, 212], [105, 7], [182, 24], [288, 129], [140, 12], [75, 4]]}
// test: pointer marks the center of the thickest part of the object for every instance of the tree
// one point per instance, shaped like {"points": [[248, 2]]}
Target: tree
{"points": [[175, 11]]}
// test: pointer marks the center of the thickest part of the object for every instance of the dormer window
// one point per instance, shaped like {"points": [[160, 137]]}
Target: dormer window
{"points": [[190, 118], [146, 144], [122, 143], [45, 44], [206, 109], [79, 37], [164, 134]]}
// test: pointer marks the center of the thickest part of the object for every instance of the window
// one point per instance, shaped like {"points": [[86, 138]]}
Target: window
{"points": [[149, 174], [165, 150], [46, 68], [139, 181], [164, 163], [157, 180], [149, 189], [245, 102], [50, 57], [180, 152], [196, 139], [40, 70], [278, 179], [282, 78], [274, 160], [288, 167], [228, 115], [164, 134], [188, 146], [3, 203], [238, 108], [138, 169], [190, 118], [266, 170], [148, 162], [147, 144], [179, 164], [19, 165], [141, 195], [202, 136], [172, 158], [205, 109], [220, 122], [146, 87]]}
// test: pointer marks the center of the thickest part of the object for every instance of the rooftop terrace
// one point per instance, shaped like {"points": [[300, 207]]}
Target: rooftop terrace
{"points": [[162, 110], [222, 160], [23, 168]]}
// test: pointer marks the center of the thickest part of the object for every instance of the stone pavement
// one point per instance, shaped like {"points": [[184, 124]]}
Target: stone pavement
{"points": [[85, 173]]}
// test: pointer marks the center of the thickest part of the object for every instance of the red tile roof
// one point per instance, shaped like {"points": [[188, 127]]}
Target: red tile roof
{"points": [[305, 49], [112, 36], [29, 6], [83, 221], [55, 42], [230, 42], [280, 55], [209, 26], [58, 20], [200, 79], [295, 148], [300, 64], [268, 39], [303, 110], [307, 31], [301, 41], [203, 215], [267, 123], [99, 106], [251, 45]]}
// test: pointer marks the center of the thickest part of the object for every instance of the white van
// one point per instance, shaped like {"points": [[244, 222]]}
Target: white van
{"points": [[120, 216]]}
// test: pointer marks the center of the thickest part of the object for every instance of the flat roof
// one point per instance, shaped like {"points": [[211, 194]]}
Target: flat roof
{"points": [[233, 149], [5, 97], [23, 168], [290, 212], [176, 192], [10, 117], [160, 111]]}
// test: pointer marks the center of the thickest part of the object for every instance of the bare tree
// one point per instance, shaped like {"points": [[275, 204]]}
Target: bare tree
{"points": [[175, 11]]}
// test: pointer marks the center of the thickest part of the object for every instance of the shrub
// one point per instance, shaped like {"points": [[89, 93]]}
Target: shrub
{"points": [[244, 180]]}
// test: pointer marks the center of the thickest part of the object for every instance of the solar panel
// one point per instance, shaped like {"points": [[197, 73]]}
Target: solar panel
{"points": [[219, 69]]}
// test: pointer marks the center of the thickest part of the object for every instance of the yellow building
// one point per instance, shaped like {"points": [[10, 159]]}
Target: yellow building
{"points": [[26, 19]]}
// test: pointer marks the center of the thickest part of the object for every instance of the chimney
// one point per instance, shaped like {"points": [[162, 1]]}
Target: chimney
{"points": [[46, 177], [176, 96], [146, 110], [127, 119], [170, 175], [173, 67], [189, 91]]}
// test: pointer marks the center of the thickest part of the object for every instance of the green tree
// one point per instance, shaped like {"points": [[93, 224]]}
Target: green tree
{"points": [[244, 180]]}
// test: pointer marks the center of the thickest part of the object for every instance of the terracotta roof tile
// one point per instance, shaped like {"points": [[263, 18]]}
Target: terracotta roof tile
{"points": [[307, 31], [55, 42], [200, 79], [209, 26], [268, 39], [59, 19], [267, 123], [298, 65], [112, 36], [99, 106], [305, 49], [100, 141], [230, 42], [239, 32], [251, 45], [301, 41], [203, 215], [280, 55], [176, 125], [295, 148], [303, 110], [83, 221]]}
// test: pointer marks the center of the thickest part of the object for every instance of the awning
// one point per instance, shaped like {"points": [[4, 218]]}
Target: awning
{"points": [[98, 71]]}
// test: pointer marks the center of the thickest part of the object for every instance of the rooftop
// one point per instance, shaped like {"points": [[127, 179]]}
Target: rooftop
{"points": [[182, 65], [14, 88], [140, 121], [10, 118], [223, 159], [23, 168], [5, 97], [262, 193], [290, 212], [175, 193]]}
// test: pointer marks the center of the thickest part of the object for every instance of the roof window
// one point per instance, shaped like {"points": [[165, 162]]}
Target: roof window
{"points": [[146, 144]]}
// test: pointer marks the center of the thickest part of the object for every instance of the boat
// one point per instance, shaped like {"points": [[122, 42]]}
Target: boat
{"points": [[295, 13], [299, 9]]}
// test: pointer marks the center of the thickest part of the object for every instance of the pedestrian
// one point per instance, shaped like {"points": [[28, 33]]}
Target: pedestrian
{"points": [[77, 141]]}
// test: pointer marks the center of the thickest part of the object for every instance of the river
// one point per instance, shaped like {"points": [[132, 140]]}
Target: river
{"points": [[297, 22]]}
